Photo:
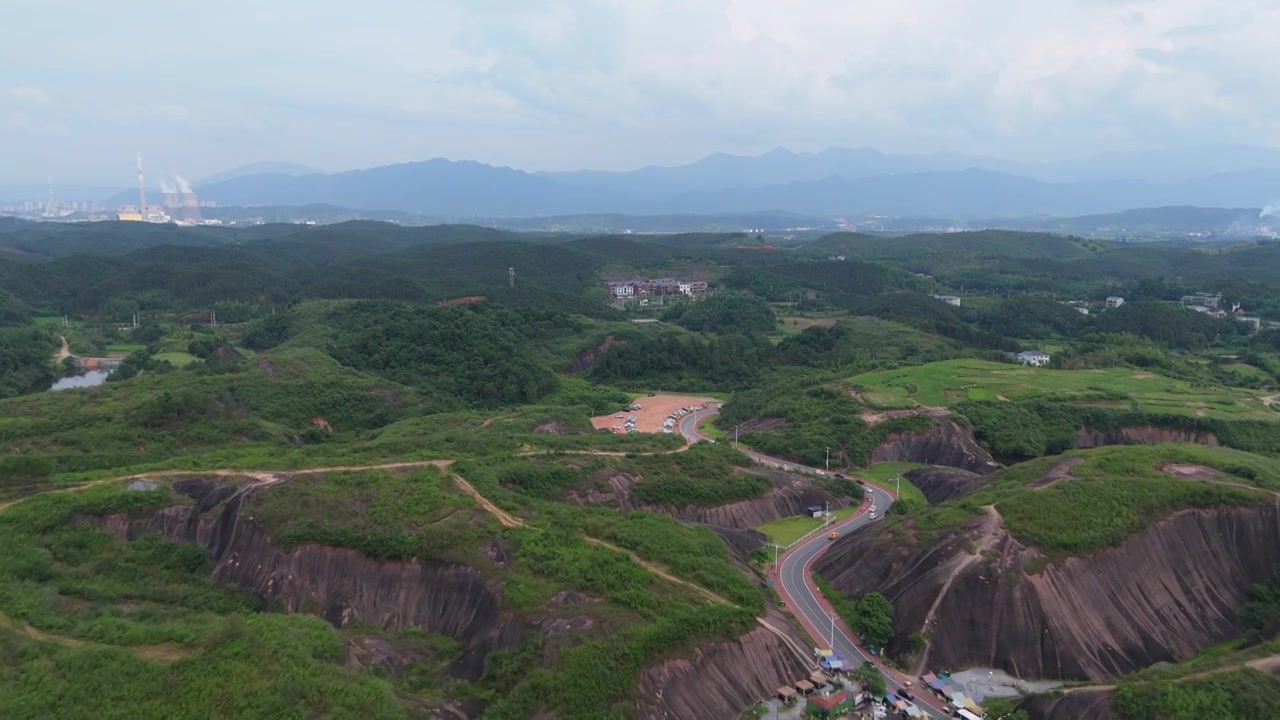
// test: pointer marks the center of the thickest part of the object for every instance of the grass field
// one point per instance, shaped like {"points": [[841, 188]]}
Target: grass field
{"points": [[884, 474], [125, 349], [954, 381], [785, 531], [177, 359]]}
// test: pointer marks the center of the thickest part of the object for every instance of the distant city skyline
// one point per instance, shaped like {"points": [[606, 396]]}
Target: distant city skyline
{"points": [[607, 84]]}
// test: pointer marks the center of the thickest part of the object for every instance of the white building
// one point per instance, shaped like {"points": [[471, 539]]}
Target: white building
{"points": [[1034, 358], [1115, 301], [948, 299]]}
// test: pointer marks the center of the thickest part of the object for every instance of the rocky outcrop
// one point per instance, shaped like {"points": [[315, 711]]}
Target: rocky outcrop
{"points": [[721, 681], [983, 599], [588, 357], [791, 495], [943, 483], [944, 443], [1082, 704], [342, 585], [1142, 435]]}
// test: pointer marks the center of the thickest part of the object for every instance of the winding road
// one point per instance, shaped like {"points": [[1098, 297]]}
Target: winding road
{"points": [[795, 579]]}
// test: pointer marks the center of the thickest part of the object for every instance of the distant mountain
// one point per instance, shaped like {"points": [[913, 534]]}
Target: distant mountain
{"points": [[833, 183], [982, 193], [780, 166], [435, 187], [260, 168]]}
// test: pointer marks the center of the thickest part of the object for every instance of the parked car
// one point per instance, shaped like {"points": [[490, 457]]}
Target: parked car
{"points": [[874, 516]]}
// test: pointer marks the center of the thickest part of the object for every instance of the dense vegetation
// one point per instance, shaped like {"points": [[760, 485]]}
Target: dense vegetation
{"points": [[289, 347], [1113, 493]]}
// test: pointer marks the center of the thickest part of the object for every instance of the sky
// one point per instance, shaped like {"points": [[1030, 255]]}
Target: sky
{"points": [[199, 88]]}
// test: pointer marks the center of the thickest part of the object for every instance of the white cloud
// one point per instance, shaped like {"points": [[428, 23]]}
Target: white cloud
{"points": [[619, 83], [30, 95]]}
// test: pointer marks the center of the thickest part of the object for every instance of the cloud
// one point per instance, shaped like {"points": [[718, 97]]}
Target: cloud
{"points": [[619, 83], [30, 95]]}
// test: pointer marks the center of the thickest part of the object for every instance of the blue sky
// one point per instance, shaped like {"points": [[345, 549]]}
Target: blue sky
{"points": [[550, 85]]}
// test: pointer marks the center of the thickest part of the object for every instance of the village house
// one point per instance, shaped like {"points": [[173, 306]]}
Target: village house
{"points": [[1115, 301], [948, 299], [1034, 358]]}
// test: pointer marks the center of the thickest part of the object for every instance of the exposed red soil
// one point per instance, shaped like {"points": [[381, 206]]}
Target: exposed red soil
{"points": [[653, 410]]}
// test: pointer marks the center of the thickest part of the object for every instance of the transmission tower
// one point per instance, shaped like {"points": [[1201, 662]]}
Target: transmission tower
{"points": [[511, 277]]}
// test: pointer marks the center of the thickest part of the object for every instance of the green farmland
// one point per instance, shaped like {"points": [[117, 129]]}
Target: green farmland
{"points": [[954, 381]]}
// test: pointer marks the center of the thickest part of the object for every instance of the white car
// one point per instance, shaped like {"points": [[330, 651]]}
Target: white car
{"points": [[873, 508], [874, 516]]}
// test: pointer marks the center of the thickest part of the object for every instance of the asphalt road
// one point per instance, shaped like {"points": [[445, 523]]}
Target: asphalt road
{"points": [[793, 576]]}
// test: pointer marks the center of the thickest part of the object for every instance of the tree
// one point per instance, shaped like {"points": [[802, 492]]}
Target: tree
{"points": [[873, 619], [870, 678]]}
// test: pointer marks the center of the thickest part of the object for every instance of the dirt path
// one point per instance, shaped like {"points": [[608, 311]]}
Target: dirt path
{"points": [[661, 572], [504, 517], [990, 528], [166, 653], [786, 640], [64, 352]]}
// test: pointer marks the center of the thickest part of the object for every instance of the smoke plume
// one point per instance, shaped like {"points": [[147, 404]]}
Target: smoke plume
{"points": [[1273, 210], [166, 188], [183, 184]]}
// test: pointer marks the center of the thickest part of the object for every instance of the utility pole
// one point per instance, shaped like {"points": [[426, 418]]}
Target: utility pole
{"points": [[735, 436], [776, 548], [828, 464], [898, 493], [826, 516], [831, 643]]}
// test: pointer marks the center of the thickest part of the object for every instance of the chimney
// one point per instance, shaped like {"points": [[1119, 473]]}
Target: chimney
{"points": [[142, 190]]}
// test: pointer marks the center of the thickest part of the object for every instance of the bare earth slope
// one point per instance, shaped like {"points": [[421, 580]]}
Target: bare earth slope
{"points": [[944, 443], [347, 586], [940, 484], [791, 495], [720, 680], [1163, 594]]}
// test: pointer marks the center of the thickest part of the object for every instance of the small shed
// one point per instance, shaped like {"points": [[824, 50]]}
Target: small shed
{"points": [[804, 687], [817, 510], [786, 694], [817, 677]]}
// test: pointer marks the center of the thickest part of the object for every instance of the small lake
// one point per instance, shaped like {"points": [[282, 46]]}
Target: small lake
{"points": [[83, 380]]}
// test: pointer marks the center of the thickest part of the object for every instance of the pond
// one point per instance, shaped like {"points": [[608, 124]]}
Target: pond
{"points": [[82, 380]]}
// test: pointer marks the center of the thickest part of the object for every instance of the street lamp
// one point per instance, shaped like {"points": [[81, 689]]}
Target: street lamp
{"points": [[832, 641], [776, 548], [898, 493]]}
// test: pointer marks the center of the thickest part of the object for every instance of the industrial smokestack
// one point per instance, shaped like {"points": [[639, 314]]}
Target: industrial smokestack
{"points": [[190, 205], [170, 195], [142, 191]]}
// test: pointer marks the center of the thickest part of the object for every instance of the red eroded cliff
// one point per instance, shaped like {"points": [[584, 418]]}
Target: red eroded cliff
{"points": [[984, 599], [944, 443], [1141, 435], [342, 585]]}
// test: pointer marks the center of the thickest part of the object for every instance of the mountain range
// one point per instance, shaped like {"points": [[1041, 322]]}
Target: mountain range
{"points": [[832, 183]]}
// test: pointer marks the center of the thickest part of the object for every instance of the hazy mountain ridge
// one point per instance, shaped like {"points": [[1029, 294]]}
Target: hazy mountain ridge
{"points": [[835, 182]]}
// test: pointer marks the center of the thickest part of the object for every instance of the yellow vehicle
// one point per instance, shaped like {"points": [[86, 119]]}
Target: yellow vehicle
{"points": [[834, 535]]}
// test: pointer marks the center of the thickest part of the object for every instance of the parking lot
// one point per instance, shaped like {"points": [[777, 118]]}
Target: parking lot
{"points": [[654, 411]]}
